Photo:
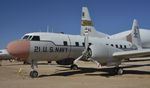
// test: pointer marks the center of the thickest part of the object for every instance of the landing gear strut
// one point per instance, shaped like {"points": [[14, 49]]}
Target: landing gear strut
{"points": [[74, 67], [0, 62], [33, 73], [49, 62], [118, 70]]}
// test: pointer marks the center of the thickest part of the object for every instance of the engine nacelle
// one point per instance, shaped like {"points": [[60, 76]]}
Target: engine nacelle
{"points": [[102, 52], [67, 61]]}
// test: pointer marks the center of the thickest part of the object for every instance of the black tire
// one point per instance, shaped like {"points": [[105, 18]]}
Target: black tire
{"points": [[49, 62], [120, 71], [33, 74], [74, 67]]}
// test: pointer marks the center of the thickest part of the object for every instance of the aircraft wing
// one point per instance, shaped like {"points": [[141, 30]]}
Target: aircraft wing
{"points": [[4, 55], [133, 53]]}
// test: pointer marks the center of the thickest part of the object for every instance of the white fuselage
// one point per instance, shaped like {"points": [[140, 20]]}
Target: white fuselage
{"points": [[144, 33], [53, 47]]}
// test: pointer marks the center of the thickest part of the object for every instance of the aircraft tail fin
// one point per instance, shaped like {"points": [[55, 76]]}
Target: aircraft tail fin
{"points": [[86, 24], [134, 36]]}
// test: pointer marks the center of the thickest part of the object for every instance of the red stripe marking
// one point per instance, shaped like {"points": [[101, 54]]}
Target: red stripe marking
{"points": [[99, 65], [129, 38], [86, 31]]}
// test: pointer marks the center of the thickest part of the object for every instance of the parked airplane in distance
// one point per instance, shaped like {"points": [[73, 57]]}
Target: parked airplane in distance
{"points": [[4, 55], [86, 19]]}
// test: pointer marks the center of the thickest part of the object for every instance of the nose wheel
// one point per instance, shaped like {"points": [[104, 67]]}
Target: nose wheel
{"points": [[33, 73]]}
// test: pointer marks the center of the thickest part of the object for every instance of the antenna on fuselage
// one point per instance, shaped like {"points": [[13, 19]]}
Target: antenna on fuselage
{"points": [[41, 30], [52, 30], [47, 28]]}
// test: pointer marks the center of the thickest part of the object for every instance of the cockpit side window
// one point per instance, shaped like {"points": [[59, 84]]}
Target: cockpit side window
{"points": [[36, 38], [25, 37]]}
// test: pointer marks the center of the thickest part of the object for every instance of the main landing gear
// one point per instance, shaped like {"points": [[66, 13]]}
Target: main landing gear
{"points": [[0, 62], [118, 70], [33, 73], [74, 67]]}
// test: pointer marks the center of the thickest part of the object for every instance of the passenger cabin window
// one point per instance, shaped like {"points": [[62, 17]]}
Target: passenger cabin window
{"points": [[116, 46], [120, 46], [112, 45], [83, 44], [125, 46], [36, 38], [65, 43], [90, 44], [106, 44], [77, 43]]}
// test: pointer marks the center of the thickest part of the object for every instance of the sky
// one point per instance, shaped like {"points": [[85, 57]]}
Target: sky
{"points": [[18, 17]]}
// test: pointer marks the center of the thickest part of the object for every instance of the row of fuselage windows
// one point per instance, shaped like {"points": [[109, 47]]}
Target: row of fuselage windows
{"points": [[37, 38], [76, 43], [83, 44], [118, 46]]}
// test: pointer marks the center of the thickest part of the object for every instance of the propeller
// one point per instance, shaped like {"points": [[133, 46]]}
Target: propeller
{"points": [[86, 51], [86, 41]]}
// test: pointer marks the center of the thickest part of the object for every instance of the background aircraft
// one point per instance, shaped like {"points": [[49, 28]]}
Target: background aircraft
{"points": [[4, 55], [86, 19]]}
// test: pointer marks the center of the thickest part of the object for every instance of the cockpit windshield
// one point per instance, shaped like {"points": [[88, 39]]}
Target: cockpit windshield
{"points": [[25, 37], [36, 38], [32, 38]]}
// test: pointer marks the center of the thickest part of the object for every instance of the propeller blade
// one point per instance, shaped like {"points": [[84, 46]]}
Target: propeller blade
{"points": [[96, 62], [76, 60], [86, 40]]}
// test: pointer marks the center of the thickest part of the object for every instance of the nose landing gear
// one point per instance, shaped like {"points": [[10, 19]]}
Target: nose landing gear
{"points": [[33, 73]]}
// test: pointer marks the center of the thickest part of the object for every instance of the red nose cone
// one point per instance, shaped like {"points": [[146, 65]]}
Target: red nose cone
{"points": [[19, 49]]}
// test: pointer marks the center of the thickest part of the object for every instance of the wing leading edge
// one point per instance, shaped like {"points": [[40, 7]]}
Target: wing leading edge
{"points": [[133, 53]]}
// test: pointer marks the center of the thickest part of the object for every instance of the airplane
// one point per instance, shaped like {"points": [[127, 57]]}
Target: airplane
{"points": [[4, 55], [144, 33], [65, 48], [43, 46], [86, 24]]}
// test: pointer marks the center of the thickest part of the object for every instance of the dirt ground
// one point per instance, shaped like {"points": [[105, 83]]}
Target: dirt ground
{"points": [[136, 75]]}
